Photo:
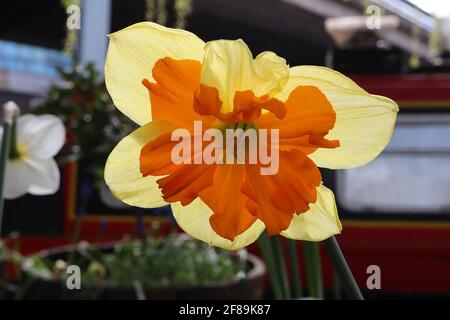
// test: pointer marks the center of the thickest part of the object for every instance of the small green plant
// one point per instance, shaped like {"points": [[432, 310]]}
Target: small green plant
{"points": [[170, 262]]}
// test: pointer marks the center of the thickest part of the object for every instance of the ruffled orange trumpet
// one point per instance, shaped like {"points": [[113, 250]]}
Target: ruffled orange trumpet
{"points": [[166, 79]]}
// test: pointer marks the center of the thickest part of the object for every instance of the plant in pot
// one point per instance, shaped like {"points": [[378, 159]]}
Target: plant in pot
{"points": [[173, 267]]}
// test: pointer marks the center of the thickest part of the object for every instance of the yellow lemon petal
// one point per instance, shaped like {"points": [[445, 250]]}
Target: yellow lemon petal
{"points": [[194, 220], [122, 169], [132, 52], [273, 71], [229, 66], [364, 122], [320, 222]]}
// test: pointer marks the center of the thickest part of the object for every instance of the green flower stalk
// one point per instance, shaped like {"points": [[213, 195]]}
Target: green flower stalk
{"points": [[10, 113]]}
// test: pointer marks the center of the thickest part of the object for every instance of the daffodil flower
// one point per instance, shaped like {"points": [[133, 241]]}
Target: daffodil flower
{"points": [[31, 167], [164, 79]]}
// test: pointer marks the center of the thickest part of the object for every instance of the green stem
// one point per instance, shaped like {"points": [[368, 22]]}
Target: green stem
{"points": [[281, 266], [75, 237], [4, 156], [139, 290], [267, 253], [13, 152], [337, 288], [76, 232], [297, 291], [313, 269], [341, 266]]}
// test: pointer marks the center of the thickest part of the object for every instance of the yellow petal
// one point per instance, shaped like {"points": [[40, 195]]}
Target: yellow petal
{"points": [[272, 71], [194, 220], [132, 52], [320, 222], [229, 66], [122, 169], [364, 122]]}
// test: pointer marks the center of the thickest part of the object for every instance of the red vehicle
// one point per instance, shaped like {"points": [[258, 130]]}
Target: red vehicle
{"points": [[395, 210]]}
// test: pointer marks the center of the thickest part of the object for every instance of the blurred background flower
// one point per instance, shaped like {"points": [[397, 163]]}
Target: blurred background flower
{"points": [[31, 167]]}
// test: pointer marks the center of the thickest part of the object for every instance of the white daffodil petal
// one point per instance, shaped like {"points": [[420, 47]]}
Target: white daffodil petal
{"points": [[34, 176], [194, 220], [45, 176], [18, 177], [40, 137], [320, 222], [133, 52]]}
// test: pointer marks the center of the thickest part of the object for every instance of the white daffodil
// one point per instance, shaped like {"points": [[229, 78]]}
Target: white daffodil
{"points": [[30, 167]]}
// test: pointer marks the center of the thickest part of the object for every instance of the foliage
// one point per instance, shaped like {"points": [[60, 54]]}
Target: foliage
{"points": [[155, 262], [93, 124]]}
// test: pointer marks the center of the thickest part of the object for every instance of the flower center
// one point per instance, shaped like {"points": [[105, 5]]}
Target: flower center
{"points": [[246, 106], [241, 125], [244, 139]]}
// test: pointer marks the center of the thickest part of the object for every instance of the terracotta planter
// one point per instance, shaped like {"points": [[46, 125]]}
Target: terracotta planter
{"points": [[234, 288]]}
